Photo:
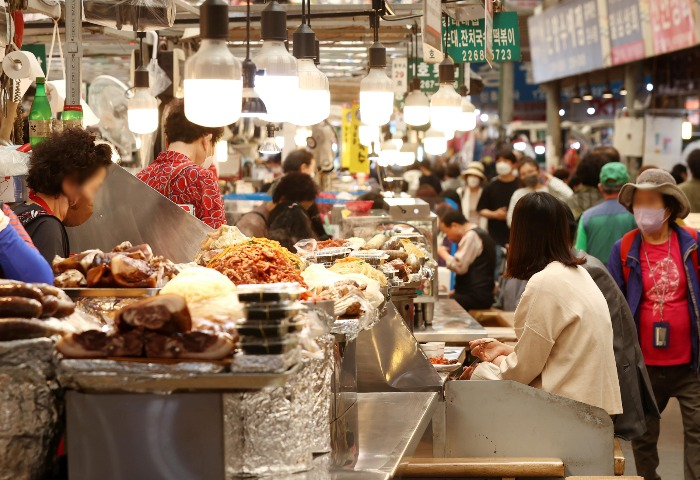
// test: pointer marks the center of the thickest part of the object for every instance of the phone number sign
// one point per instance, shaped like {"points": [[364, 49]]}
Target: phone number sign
{"points": [[466, 40], [428, 74]]}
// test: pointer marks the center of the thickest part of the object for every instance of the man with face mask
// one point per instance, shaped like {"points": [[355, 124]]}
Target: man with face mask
{"points": [[182, 174], [493, 204]]}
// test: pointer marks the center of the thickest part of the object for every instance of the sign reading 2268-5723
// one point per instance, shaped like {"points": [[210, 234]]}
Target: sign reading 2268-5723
{"points": [[466, 42]]}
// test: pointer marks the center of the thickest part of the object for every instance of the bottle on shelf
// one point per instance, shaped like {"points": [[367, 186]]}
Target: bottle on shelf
{"points": [[40, 115], [72, 116]]}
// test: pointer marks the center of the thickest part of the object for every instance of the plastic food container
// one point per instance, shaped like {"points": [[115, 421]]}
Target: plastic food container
{"points": [[438, 348], [272, 311], [329, 255], [359, 206], [374, 258], [256, 346], [268, 331], [271, 292]]}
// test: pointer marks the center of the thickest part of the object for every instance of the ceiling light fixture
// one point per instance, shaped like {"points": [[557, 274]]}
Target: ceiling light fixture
{"points": [[376, 89], [623, 91], [686, 129], [608, 93], [467, 118], [445, 104], [280, 80], [577, 94], [301, 136], [368, 135], [269, 146], [434, 142], [314, 97], [252, 105], [416, 107], [142, 113], [587, 93], [213, 84]]}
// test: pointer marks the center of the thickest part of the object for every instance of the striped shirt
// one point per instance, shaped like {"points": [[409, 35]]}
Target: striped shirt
{"points": [[17, 225]]}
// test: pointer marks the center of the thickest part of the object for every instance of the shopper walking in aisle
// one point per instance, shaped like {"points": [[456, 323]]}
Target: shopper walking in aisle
{"points": [[536, 181], [656, 267], [453, 174], [691, 187], [562, 316], [588, 172], [474, 178], [181, 173], [603, 225], [494, 201], [295, 187], [473, 262], [65, 173]]}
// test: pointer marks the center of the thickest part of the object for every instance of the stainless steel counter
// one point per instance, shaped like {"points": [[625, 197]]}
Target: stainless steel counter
{"points": [[452, 324], [370, 440]]}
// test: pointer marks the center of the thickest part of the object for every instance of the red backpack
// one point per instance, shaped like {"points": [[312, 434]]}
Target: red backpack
{"points": [[628, 240]]}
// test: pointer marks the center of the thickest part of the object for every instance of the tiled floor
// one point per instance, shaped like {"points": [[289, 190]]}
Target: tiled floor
{"points": [[670, 445]]}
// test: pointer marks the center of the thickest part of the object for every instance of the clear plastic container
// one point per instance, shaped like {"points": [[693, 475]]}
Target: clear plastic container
{"points": [[266, 330], [277, 346], [272, 311], [372, 257]]}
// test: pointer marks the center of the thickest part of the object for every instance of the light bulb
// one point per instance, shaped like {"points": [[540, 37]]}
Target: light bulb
{"points": [[539, 149], [301, 136], [252, 105], [279, 140], [213, 84], [368, 135], [416, 109], [313, 99], [562, 112], [143, 111], [449, 135], [279, 83], [467, 118], [397, 140], [520, 146], [376, 98], [484, 117], [376, 90], [389, 153], [446, 103], [221, 151], [270, 145], [434, 142], [686, 129], [590, 110]]}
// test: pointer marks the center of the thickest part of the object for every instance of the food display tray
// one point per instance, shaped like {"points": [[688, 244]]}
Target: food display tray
{"points": [[111, 292]]}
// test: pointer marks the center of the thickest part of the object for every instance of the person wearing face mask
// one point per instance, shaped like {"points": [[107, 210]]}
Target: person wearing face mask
{"points": [[65, 173], [656, 267], [182, 172], [474, 177], [493, 204], [534, 181]]}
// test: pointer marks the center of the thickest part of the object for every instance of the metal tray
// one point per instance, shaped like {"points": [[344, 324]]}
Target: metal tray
{"points": [[111, 292]]}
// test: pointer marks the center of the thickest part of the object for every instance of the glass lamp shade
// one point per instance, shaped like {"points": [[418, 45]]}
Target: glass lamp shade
{"points": [[279, 140], [368, 135], [416, 109], [252, 105], [143, 112], [280, 82], [213, 85], [376, 98], [269, 147], [313, 101], [445, 108], [434, 142], [467, 119]]}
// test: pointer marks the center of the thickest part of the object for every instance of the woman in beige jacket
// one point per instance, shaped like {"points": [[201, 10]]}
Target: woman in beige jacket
{"points": [[565, 338]]}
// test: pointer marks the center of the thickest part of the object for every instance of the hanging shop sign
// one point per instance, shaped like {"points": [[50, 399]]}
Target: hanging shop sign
{"points": [[429, 77], [354, 155], [672, 24], [399, 76], [568, 40], [432, 33], [467, 41], [626, 32]]}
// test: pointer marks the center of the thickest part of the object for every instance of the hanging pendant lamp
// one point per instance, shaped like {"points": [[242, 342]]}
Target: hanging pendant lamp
{"points": [[252, 106], [376, 89], [445, 104]]}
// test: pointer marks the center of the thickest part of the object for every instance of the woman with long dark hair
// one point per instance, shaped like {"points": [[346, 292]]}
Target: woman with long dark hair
{"points": [[562, 316]]}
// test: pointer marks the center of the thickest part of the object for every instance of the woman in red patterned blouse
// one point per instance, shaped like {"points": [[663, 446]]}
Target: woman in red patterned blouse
{"points": [[181, 173]]}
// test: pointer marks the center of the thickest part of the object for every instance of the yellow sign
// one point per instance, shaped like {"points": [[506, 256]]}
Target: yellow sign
{"points": [[354, 155]]}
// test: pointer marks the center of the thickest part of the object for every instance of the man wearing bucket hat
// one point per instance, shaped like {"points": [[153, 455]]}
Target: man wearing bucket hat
{"points": [[474, 177], [604, 224], [656, 267]]}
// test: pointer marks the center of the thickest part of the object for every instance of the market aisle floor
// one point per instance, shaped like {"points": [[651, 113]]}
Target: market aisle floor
{"points": [[670, 445]]}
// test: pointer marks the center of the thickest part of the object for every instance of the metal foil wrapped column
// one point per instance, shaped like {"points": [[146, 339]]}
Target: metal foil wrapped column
{"points": [[30, 409]]}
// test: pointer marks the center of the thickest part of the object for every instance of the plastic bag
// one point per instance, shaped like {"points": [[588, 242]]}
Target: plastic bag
{"points": [[13, 163], [356, 306], [157, 78], [137, 15], [306, 248]]}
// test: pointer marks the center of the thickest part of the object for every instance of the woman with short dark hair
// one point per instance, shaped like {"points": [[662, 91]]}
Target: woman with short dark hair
{"points": [[182, 172], [289, 223], [65, 173], [562, 316]]}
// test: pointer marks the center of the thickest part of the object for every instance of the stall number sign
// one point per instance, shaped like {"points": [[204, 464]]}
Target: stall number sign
{"points": [[429, 75], [467, 42]]}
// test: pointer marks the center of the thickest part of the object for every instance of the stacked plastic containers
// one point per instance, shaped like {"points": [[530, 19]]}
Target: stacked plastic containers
{"points": [[269, 334]]}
